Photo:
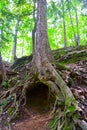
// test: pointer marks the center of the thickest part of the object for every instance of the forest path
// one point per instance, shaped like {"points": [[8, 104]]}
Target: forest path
{"points": [[36, 114], [32, 121]]}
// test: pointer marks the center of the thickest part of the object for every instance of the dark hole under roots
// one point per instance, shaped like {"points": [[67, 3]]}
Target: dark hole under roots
{"points": [[38, 98]]}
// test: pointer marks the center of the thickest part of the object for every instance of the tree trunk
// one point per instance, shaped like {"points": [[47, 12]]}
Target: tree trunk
{"points": [[34, 29], [15, 40], [42, 48], [22, 52], [64, 24], [2, 71], [42, 58], [77, 23], [75, 39]]}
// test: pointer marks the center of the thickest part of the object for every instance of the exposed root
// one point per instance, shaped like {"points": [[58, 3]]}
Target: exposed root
{"points": [[15, 98], [10, 103], [50, 77], [82, 124], [73, 54]]}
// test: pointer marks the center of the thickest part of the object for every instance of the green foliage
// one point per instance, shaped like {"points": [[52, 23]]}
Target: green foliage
{"points": [[6, 84], [71, 109], [53, 123], [6, 101], [22, 9], [64, 120]]}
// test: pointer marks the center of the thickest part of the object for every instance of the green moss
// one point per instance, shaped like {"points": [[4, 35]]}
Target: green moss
{"points": [[57, 54], [19, 63], [75, 58], [61, 66]]}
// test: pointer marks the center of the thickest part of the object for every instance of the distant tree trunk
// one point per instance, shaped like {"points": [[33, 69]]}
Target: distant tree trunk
{"points": [[33, 36], [2, 71], [72, 23], [76, 35], [34, 29], [15, 39], [64, 24], [77, 23], [22, 52]]}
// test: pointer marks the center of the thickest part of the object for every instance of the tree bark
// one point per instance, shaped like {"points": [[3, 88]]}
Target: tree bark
{"points": [[2, 71], [15, 39], [42, 58], [72, 22], [64, 24], [77, 23], [34, 29]]}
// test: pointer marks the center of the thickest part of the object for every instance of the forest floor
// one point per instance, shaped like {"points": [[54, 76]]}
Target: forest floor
{"points": [[36, 115], [33, 121], [38, 120]]}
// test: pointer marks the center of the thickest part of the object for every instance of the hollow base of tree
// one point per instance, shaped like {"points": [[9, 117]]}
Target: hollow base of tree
{"points": [[38, 99]]}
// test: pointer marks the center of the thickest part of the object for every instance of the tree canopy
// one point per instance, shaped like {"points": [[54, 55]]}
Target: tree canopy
{"points": [[61, 18]]}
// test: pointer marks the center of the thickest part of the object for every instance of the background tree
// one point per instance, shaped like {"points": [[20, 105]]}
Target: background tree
{"points": [[64, 25], [15, 39], [71, 20], [11, 10], [34, 29], [77, 24], [2, 71]]}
